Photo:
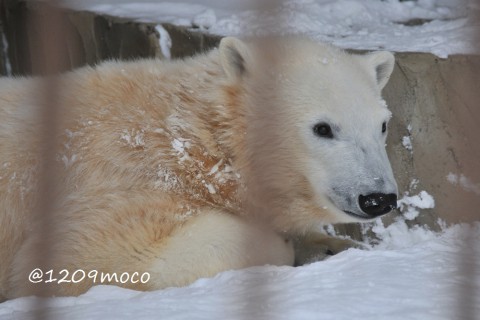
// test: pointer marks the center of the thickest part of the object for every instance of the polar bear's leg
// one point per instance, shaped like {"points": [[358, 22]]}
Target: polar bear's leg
{"points": [[204, 245], [316, 246], [214, 242]]}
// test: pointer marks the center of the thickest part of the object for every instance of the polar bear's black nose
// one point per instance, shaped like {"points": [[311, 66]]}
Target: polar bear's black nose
{"points": [[377, 204]]}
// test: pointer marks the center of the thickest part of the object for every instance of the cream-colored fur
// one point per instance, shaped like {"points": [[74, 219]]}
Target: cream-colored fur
{"points": [[237, 244], [181, 169]]}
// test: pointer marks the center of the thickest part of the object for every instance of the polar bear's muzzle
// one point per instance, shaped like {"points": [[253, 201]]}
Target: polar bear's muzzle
{"points": [[365, 205]]}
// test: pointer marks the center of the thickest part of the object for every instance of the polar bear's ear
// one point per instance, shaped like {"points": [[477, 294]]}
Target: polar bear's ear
{"points": [[382, 63], [233, 56]]}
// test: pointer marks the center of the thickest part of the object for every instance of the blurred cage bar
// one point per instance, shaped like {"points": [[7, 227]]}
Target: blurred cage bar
{"points": [[43, 32], [38, 38]]}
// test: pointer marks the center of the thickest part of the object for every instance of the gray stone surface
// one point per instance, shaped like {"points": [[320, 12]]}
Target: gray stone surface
{"points": [[440, 99], [89, 38]]}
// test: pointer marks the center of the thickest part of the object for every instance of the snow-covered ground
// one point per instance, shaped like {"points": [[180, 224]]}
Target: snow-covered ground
{"points": [[408, 273], [442, 27]]}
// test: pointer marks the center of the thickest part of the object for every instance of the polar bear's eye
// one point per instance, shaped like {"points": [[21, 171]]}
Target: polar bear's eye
{"points": [[323, 130], [384, 127]]}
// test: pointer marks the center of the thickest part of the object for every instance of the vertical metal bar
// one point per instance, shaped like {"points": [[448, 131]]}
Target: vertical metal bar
{"points": [[468, 291], [273, 8], [47, 21]]}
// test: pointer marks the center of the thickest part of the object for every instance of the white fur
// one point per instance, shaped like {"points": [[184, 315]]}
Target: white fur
{"points": [[187, 168], [213, 242]]}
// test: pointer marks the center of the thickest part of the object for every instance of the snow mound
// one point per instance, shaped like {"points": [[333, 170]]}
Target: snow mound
{"points": [[408, 204], [423, 279]]}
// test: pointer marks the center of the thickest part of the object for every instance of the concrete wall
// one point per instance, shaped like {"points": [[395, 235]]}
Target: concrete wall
{"points": [[90, 38], [439, 98]]}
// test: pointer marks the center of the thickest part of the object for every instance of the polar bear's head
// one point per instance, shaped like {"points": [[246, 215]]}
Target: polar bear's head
{"points": [[317, 124]]}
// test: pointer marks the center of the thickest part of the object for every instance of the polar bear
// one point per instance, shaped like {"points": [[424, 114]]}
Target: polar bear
{"points": [[178, 170]]}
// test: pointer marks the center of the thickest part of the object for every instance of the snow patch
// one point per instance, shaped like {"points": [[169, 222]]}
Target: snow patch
{"points": [[205, 19], [408, 204], [215, 167], [399, 235], [407, 140], [464, 182], [133, 138], [165, 41], [413, 184], [180, 145], [6, 57], [167, 180], [407, 143], [68, 162], [211, 188]]}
